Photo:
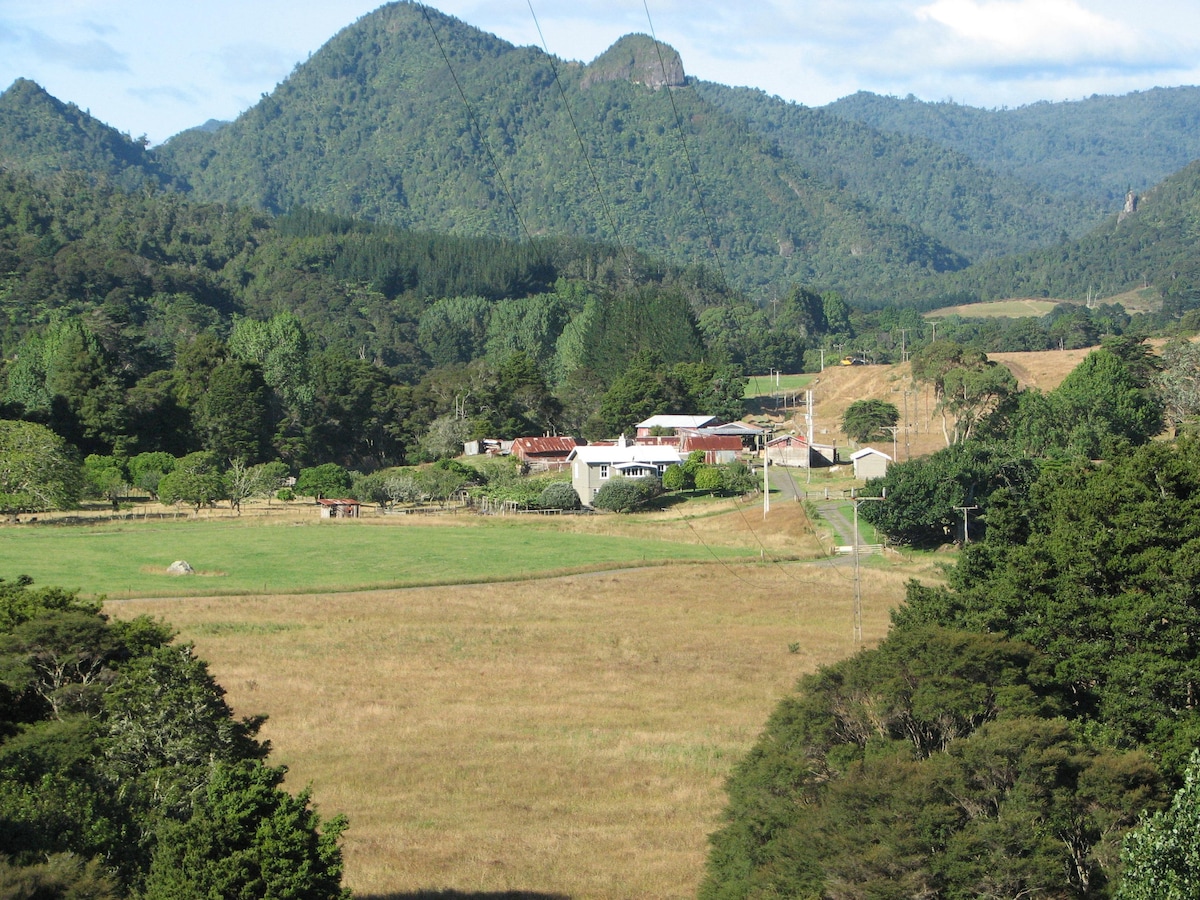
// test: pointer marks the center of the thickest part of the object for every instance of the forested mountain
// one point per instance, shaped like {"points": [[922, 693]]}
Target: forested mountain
{"points": [[409, 117], [978, 210], [42, 135], [1154, 244], [1098, 148], [413, 118]]}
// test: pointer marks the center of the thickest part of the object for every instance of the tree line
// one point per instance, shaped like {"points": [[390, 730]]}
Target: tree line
{"points": [[123, 772], [1017, 725]]}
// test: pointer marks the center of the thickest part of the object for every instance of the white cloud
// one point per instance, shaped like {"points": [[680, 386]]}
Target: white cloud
{"points": [[1026, 30]]}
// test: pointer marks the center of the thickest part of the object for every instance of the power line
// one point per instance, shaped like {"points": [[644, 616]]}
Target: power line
{"points": [[608, 214], [478, 129], [692, 170]]}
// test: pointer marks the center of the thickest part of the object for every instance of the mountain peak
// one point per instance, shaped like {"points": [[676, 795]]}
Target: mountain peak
{"points": [[640, 59]]}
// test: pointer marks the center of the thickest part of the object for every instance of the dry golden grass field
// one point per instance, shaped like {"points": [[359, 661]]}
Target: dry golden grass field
{"points": [[564, 737], [559, 738], [839, 386]]}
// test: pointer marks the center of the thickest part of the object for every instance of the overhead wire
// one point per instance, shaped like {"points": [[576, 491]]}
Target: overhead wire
{"points": [[692, 170], [608, 213], [474, 120], [524, 229]]}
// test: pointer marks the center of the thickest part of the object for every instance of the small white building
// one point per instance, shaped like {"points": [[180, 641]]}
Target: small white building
{"points": [[592, 466], [870, 463]]}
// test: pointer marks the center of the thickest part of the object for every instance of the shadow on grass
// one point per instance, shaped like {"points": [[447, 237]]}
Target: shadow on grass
{"points": [[464, 895]]}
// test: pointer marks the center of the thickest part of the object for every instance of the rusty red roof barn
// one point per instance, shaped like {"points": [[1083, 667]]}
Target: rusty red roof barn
{"points": [[544, 452]]}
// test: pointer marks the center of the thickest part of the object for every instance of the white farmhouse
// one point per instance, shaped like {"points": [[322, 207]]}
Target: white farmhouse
{"points": [[592, 466]]}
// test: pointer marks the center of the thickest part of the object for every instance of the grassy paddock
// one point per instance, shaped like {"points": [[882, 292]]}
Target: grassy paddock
{"points": [[563, 738], [255, 556], [765, 386]]}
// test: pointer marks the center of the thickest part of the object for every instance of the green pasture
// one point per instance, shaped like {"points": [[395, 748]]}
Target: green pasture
{"points": [[765, 385], [130, 559]]}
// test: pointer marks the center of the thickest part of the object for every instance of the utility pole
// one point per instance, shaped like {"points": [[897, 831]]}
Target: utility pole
{"points": [[808, 415], [893, 429], [822, 352], [903, 352], [766, 483], [966, 534], [857, 583]]}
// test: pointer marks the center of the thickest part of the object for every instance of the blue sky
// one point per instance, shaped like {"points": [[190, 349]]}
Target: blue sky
{"points": [[156, 68]]}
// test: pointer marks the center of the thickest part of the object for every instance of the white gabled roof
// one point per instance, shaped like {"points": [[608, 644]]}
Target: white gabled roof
{"points": [[633, 453], [867, 451], [676, 422]]}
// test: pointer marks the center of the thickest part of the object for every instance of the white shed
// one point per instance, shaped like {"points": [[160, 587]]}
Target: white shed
{"points": [[870, 463]]}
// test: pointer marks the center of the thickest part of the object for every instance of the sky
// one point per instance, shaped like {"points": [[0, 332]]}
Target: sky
{"points": [[155, 68]]}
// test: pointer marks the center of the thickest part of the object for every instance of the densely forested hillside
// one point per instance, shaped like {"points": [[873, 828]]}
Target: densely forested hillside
{"points": [[42, 135], [966, 204], [413, 118], [142, 322], [1099, 147], [1153, 245]]}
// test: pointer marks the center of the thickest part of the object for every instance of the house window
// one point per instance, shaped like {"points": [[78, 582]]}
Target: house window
{"points": [[604, 472]]}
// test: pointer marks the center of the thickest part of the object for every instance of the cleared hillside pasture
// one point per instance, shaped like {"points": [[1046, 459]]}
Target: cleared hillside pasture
{"points": [[1029, 307], [564, 738], [839, 386], [770, 385], [253, 555]]}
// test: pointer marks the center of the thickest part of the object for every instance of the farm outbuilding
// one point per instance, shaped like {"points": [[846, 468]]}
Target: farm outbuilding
{"points": [[794, 450], [870, 463], [544, 454], [339, 509], [670, 425]]}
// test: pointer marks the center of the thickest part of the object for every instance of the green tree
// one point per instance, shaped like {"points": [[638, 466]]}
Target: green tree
{"points": [[709, 479], [1108, 400], [246, 837], [935, 764], [195, 480], [868, 420], [443, 480], [445, 437], [232, 416], [673, 478], [924, 496], [1094, 568], [107, 477], [454, 330], [1180, 384], [558, 495], [1162, 855], [123, 773], [38, 470], [627, 494], [65, 377], [280, 347], [146, 470], [325, 480]]}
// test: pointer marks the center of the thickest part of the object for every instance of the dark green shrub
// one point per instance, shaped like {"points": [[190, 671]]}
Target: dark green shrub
{"points": [[626, 494], [558, 495]]}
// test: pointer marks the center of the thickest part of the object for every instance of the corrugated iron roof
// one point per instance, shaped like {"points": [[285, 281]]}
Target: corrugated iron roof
{"points": [[543, 445]]}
